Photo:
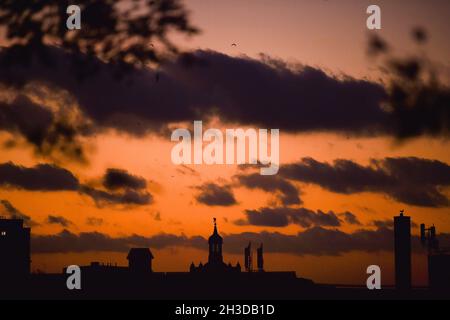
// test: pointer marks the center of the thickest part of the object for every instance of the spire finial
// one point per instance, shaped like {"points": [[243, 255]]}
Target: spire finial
{"points": [[215, 225], [402, 212]]}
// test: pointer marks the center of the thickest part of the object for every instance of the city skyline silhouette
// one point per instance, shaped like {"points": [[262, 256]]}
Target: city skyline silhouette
{"points": [[213, 279]]}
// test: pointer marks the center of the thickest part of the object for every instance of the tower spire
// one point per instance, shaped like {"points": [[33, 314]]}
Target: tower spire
{"points": [[215, 246]]}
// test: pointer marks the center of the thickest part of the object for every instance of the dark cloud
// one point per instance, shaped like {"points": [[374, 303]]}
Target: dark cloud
{"points": [[413, 181], [66, 241], [30, 119], [121, 187], [212, 194], [126, 197], [388, 223], [350, 218], [95, 222], [58, 220], [314, 241], [288, 193], [12, 212], [320, 241], [118, 178], [42, 128], [234, 88], [283, 216], [294, 98], [291, 96], [47, 177], [42, 177], [264, 217], [250, 166]]}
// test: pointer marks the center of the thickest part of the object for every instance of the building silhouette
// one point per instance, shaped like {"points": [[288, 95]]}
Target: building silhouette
{"points": [[215, 258], [140, 260], [213, 280], [402, 244], [14, 249], [260, 258], [248, 258], [96, 267], [438, 259], [139, 263], [215, 242]]}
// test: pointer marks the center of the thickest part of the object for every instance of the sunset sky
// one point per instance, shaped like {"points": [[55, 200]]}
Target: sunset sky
{"points": [[298, 66]]}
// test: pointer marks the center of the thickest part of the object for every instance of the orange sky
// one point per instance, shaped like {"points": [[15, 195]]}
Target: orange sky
{"points": [[328, 34]]}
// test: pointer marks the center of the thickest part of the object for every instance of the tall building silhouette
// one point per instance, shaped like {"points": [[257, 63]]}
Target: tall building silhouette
{"points": [[215, 242], [260, 258], [248, 258], [402, 241], [215, 258], [14, 249], [140, 260]]}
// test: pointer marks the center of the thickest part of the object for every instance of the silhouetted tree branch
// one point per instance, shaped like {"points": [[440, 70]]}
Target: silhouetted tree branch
{"points": [[115, 31], [118, 35], [418, 100]]}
